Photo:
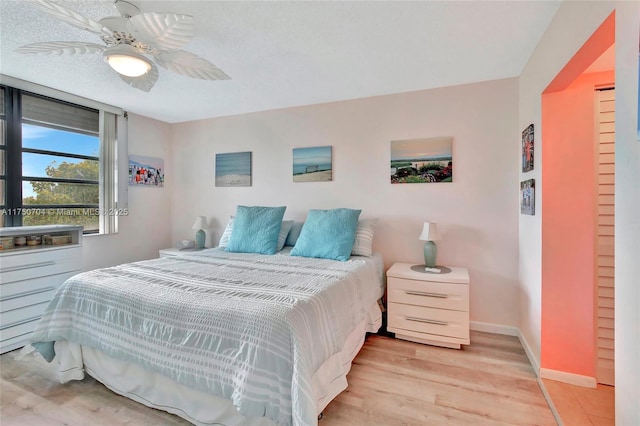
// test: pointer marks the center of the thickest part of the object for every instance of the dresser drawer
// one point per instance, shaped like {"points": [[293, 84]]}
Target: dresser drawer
{"points": [[17, 332], [27, 299], [429, 293], [21, 315], [26, 266], [428, 320], [10, 290]]}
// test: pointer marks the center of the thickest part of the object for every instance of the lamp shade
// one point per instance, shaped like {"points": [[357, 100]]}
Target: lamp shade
{"points": [[200, 223], [429, 232]]}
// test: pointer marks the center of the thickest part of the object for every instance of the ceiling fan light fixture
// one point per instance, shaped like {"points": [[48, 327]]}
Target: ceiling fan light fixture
{"points": [[126, 61]]}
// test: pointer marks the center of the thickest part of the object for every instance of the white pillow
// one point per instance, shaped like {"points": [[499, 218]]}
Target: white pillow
{"points": [[282, 236], [363, 244], [224, 238], [294, 233], [284, 232]]}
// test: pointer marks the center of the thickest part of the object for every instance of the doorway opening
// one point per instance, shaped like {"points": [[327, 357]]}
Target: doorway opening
{"points": [[578, 137]]}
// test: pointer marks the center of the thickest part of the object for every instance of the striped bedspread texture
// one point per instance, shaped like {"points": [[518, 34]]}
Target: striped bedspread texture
{"points": [[250, 328]]}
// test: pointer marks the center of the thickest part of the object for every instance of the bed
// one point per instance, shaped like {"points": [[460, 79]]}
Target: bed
{"points": [[218, 337]]}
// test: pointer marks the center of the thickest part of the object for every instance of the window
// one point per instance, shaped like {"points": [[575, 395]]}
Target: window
{"points": [[58, 168]]}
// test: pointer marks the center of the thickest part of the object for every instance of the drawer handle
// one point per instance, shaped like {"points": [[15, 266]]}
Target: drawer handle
{"points": [[428, 321], [426, 294], [29, 266]]}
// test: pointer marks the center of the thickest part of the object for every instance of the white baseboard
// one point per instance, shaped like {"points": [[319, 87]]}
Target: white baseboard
{"points": [[493, 328], [535, 363], [560, 376], [550, 403], [573, 379], [508, 331]]}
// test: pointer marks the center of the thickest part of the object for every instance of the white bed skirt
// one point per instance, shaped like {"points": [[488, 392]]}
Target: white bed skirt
{"points": [[154, 390]]}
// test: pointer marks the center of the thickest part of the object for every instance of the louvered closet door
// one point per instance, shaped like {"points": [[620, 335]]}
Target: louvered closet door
{"points": [[605, 112]]}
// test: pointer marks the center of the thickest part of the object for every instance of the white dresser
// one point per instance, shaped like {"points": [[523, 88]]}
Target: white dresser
{"points": [[30, 274], [428, 308]]}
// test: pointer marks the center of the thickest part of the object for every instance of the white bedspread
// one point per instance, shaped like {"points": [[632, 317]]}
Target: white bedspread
{"points": [[246, 327]]}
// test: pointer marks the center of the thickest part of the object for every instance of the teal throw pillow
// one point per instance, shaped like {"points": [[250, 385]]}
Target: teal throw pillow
{"points": [[256, 230], [328, 234]]}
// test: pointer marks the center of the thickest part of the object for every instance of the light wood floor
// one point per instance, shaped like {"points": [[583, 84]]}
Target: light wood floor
{"points": [[580, 406], [392, 382]]}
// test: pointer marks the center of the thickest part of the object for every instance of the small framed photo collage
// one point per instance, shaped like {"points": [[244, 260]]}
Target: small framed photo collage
{"points": [[528, 187]]}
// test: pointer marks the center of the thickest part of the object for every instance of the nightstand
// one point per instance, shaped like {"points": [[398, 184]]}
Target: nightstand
{"points": [[427, 307], [170, 252]]}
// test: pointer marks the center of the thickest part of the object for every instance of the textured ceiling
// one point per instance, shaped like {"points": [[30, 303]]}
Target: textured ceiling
{"points": [[284, 54]]}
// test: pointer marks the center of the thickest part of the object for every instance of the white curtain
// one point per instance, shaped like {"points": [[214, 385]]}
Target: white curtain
{"points": [[109, 209], [122, 177]]}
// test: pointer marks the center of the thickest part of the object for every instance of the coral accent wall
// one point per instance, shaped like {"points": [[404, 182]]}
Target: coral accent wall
{"points": [[568, 225]]}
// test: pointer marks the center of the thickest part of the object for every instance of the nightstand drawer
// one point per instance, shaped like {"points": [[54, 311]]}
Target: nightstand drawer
{"points": [[427, 293], [428, 320]]}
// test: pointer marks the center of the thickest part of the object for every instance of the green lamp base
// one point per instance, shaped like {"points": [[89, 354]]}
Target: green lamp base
{"points": [[200, 237], [430, 253]]}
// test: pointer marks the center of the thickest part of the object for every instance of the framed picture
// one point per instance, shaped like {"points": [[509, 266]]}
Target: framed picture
{"points": [[528, 197], [146, 171], [312, 164], [233, 169], [422, 160], [527, 149]]}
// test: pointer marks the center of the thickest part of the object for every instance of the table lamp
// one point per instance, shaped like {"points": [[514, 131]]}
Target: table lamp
{"points": [[430, 235], [200, 225]]}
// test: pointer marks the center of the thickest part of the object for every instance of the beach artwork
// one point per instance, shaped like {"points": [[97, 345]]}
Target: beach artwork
{"points": [[146, 171], [233, 169], [528, 197], [312, 164], [527, 149], [422, 160]]}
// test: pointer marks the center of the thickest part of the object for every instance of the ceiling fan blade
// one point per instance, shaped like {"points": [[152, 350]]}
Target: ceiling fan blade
{"points": [[144, 82], [69, 16], [163, 30], [61, 48], [190, 65]]}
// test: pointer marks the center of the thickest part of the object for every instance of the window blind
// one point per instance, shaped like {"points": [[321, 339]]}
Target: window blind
{"points": [[27, 86], [62, 116]]}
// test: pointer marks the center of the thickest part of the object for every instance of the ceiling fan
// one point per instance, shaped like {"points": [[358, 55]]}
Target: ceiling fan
{"points": [[134, 43]]}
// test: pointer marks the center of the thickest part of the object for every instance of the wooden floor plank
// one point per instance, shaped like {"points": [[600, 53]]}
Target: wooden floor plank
{"points": [[391, 382]]}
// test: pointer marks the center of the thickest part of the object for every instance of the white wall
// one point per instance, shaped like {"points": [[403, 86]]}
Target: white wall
{"points": [[572, 26], [477, 214], [146, 229], [627, 294]]}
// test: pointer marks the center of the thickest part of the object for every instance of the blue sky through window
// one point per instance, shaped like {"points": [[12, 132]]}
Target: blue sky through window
{"points": [[54, 140]]}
